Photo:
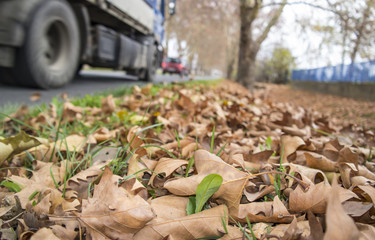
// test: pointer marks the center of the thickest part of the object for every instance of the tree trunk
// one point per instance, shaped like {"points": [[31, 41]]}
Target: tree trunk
{"points": [[249, 47]]}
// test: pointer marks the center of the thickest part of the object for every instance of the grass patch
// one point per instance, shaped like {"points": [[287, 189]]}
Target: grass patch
{"points": [[7, 109]]}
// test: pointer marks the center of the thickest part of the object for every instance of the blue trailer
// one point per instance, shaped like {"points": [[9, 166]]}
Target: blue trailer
{"points": [[43, 43]]}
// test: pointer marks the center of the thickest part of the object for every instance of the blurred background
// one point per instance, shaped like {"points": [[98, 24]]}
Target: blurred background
{"points": [[307, 35]]}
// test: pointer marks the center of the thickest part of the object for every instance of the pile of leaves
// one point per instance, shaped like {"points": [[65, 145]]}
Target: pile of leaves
{"points": [[185, 162]]}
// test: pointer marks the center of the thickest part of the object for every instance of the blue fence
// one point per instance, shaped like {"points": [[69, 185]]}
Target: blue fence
{"points": [[356, 73]]}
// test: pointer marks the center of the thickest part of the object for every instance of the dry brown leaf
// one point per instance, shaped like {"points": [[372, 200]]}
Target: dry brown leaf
{"points": [[263, 190], [273, 212], [188, 150], [370, 191], [314, 175], [134, 187], [135, 166], [339, 224], [366, 231], [257, 160], [234, 233], [63, 233], [331, 150], [80, 182], [71, 113], [290, 145], [315, 160], [146, 89], [347, 172], [315, 198], [108, 104], [17, 144], [206, 163], [316, 229], [102, 134], [166, 166], [346, 155], [203, 224], [363, 171], [40, 182], [186, 103], [169, 207], [356, 209], [72, 143], [44, 233], [135, 141], [286, 231], [35, 96], [242, 124], [113, 212]]}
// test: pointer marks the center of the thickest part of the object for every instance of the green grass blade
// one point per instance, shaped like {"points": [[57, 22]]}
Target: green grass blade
{"points": [[212, 139], [221, 149], [190, 164]]}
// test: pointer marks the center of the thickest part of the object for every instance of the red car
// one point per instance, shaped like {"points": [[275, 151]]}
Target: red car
{"points": [[174, 65]]}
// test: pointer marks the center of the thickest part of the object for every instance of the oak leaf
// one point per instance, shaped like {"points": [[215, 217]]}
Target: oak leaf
{"points": [[339, 224], [167, 166], [273, 212], [113, 212], [290, 145], [108, 104], [208, 223], [206, 163], [17, 144], [315, 198]]}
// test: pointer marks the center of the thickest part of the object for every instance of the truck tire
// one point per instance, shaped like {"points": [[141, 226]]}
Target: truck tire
{"points": [[50, 53]]}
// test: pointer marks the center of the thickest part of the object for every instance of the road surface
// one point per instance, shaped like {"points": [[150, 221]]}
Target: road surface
{"points": [[87, 83]]}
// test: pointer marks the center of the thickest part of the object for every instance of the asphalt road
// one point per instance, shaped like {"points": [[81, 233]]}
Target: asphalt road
{"points": [[87, 83]]}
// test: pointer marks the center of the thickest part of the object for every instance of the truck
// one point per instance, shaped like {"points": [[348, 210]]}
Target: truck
{"points": [[44, 43]]}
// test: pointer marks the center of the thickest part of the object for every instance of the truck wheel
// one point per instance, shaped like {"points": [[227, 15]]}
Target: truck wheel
{"points": [[49, 57]]}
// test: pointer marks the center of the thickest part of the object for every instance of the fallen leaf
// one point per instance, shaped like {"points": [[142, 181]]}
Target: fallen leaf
{"points": [[206, 163], [113, 212], [169, 207], [63, 233], [207, 223], [135, 141], [35, 97], [289, 145], [273, 212], [366, 231], [43, 234], [315, 160], [17, 144], [167, 166], [286, 231], [234, 233], [316, 229], [339, 224], [80, 182], [356, 209], [71, 112], [315, 198], [108, 104]]}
